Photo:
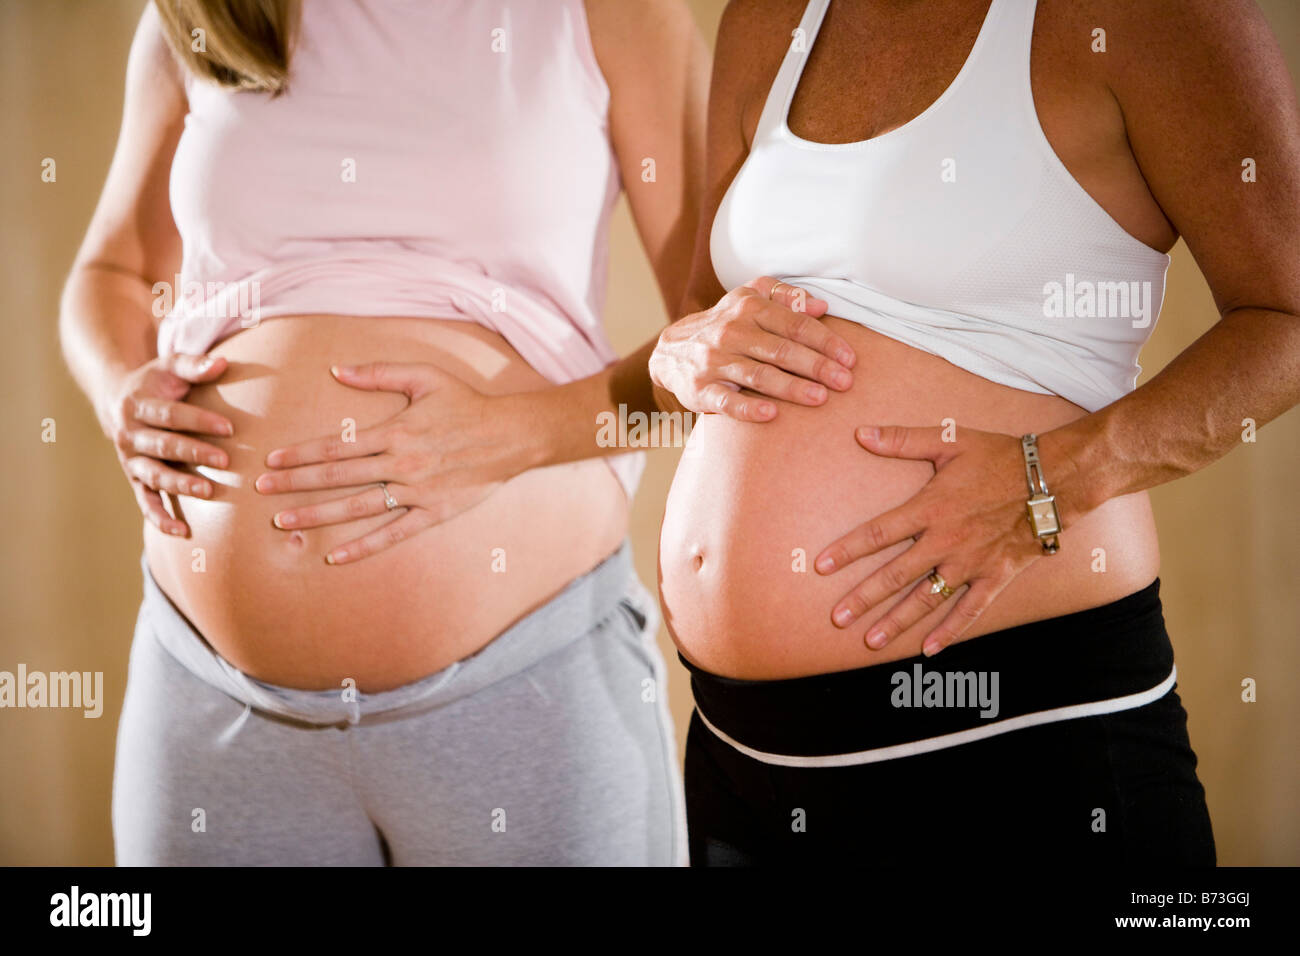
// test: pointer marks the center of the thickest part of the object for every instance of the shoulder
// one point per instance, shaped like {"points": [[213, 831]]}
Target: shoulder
{"points": [[1189, 45], [152, 61]]}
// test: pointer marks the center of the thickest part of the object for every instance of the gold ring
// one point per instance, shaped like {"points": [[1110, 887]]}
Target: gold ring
{"points": [[938, 585], [771, 293]]}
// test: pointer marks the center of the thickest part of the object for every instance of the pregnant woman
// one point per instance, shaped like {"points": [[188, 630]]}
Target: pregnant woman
{"points": [[362, 183], [985, 195]]}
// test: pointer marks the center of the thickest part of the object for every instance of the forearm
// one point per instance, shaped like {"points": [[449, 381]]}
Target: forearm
{"points": [[106, 330], [1188, 416], [571, 422]]}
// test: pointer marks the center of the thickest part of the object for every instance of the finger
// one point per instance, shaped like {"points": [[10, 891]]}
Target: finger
{"points": [[791, 296], [151, 506], [368, 442], [963, 614], [364, 504], [832, 355], [395, 532], [768, 380], [883, 583], [178, 416], [173, 446], [876, 535], [724, 399], [785, 353], [195, 368], [411, 379], [896, 441], [911, 610], [334, 474], [157, 476]]}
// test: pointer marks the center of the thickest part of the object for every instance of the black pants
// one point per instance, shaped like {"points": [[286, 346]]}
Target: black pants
{"points": [[1108, 789]]}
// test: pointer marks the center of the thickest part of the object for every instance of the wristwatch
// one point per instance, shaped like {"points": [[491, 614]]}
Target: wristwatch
{"points": [[1041, 506]]}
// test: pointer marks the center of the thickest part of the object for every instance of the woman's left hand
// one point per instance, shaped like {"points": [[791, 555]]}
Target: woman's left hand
{"points": [[441, 455], [968, 522]]}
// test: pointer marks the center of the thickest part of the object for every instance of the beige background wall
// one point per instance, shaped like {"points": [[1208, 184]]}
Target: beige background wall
{"points": [[70, 582]]}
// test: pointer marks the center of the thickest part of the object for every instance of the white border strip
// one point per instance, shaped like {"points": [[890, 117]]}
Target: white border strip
{"points": [[929, 744]]}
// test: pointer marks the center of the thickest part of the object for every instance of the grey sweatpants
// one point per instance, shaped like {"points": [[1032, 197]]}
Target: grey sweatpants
{"points": [[551, 745]]}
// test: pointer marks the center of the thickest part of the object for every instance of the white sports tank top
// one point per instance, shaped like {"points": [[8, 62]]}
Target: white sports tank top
{"points": [[960, 233]]}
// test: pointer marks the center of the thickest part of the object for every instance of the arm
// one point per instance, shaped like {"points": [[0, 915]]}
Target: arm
{"points": [[1212, 67], [656, 66], [106, 323], [654, 63], [1205, 89]]}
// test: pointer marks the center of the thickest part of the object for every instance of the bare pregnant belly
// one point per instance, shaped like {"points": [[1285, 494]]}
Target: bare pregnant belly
{"points": [[749, 500], [266, 600]]}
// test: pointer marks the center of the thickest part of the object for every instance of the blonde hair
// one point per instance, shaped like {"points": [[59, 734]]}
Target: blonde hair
{"points": [[244, 44]]}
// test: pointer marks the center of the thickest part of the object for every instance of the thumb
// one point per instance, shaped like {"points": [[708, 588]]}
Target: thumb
{"points": [[411, 379], [195, 368], [897, 441]]}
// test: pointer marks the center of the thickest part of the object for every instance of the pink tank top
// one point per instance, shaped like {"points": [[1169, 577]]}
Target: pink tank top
{"points": [[445, 160]]}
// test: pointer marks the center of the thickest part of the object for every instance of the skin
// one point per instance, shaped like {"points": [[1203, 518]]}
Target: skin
{"points": [[1130, 127], [1141, 148], [655, 65], [461, 445]]}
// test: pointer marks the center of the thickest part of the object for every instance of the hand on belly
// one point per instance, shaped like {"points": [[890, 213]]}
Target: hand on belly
{"points": [[266, 599], [753, 505]]}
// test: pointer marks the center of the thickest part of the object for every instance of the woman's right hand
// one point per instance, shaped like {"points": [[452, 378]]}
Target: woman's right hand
{"points": [[764, 337], [147, 419]]}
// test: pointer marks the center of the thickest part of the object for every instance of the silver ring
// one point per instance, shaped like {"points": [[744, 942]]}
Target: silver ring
{"points": [[389, 501]]}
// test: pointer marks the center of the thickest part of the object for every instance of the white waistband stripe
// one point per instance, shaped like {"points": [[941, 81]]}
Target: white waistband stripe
{"points": [[928, 744]]}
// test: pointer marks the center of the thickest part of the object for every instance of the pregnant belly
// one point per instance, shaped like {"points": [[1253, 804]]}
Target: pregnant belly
{"points": [[752, 505], [266, 600]]}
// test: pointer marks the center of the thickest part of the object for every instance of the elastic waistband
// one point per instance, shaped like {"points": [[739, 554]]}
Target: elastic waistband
{"points": [[1101, 660], [585, 603]]}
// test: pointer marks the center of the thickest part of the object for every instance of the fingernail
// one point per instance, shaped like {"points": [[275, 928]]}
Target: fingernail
{"points": [[815, 392], [216, 461], [843, 616], [766, 408], [869, 433], [227, 428], [273, 459], [826, 564], [842, 379], [930, 648], [284, 519], [334, 557], [263, 483], [338, 370], [844, 357], [876, 639]]}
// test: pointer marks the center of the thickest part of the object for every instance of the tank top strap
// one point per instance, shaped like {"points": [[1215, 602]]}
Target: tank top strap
{"points": [[997, 70], [801, 42]]}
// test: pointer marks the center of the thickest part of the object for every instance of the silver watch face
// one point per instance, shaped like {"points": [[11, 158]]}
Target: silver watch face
{"points": [[1042, 514]]}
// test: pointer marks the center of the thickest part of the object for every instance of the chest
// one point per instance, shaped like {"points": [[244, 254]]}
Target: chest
{"points": [[875, 66]]}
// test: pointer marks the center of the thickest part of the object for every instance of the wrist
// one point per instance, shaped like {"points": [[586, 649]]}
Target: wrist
{"points": [[1079, 466], [530, 441], [106, 400]]}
